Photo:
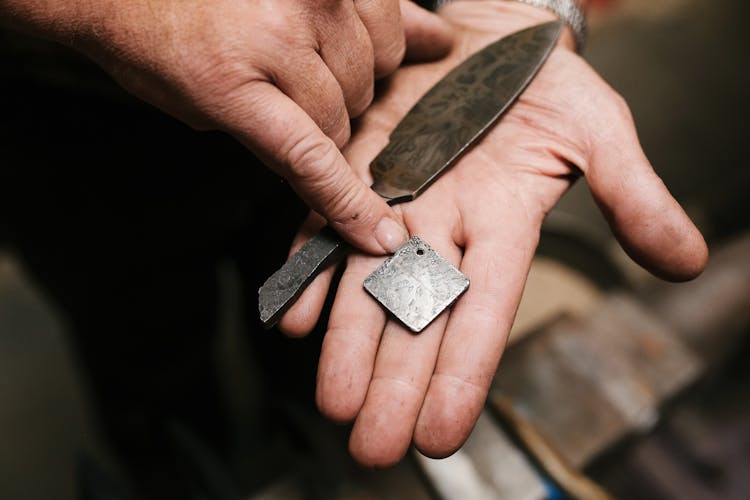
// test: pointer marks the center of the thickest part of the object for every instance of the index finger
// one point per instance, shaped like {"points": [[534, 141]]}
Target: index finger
{"points": [[275, 128]]}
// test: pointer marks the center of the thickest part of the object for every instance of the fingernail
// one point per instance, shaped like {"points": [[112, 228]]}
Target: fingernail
{"points": [[390, 234]]}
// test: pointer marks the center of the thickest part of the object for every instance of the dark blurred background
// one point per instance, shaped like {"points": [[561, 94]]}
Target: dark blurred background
{"points": [[131, 248]]}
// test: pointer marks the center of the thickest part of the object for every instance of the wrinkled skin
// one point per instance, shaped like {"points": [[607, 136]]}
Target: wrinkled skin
{"points": [[282, 76], [485, 216]]}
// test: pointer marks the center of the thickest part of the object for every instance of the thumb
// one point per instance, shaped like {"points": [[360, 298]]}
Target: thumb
{"points": [[281, 134], [648, 222], [428, 36]]}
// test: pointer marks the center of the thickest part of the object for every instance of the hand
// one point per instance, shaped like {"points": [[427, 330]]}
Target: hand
{"points": [[282, 76], [484, 215]]}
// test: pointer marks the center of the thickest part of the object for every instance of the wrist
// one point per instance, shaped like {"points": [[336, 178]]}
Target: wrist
{"points": [[572, 12], [506, 16]]}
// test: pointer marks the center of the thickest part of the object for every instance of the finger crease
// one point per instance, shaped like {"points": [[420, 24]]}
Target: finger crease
{"points": [[481, 389]]}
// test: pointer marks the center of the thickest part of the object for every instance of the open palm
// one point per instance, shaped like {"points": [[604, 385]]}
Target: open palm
{"points": [[484, 215]]}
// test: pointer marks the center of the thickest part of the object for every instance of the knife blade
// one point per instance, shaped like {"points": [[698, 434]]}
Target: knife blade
{"points": [[441, 126]]}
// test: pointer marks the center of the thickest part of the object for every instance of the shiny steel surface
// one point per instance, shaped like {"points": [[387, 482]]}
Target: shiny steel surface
{"points": [[416, 284]]}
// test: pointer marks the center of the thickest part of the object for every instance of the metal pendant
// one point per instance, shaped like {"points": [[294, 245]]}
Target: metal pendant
{"points": [[416, 284]]}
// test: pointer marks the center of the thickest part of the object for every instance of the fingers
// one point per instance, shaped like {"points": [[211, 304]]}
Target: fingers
{"points": [[302, 317], [347, 50], [286, 138], [382, 19], [647, 221], [311, 84], [351, 342], [405, 361], [428, 36], [476, 333]]}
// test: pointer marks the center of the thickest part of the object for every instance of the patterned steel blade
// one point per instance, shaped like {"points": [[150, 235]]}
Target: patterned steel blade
{"points": [[451, 117], [458, 110]]}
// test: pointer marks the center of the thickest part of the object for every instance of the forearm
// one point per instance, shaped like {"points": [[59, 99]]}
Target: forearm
{"points": [[58, 20]]}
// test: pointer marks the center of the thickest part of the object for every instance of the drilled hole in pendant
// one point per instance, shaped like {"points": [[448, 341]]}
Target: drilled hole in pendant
{"points": [[420, 251]]}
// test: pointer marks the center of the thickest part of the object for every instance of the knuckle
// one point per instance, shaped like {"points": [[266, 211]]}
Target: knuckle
{"points": [[612, 119], [308, 158], [311, 163], [222, 73], [216, 84], [332, 118], [345, 207], [362, 100], [353, 68], [389, 57], [619, 106]]}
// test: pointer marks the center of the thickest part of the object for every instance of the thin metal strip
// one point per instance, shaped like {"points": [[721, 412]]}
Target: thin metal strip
{"points": [[284, 286]]}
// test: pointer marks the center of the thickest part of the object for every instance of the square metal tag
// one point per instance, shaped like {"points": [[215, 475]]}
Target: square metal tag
{"points": [[416, 284]]}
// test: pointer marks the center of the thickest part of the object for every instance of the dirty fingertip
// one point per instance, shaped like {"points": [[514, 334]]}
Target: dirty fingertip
{"points": [[390, 234]]}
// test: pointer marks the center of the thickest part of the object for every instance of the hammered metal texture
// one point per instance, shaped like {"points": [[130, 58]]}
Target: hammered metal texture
{"points": [[416, 284]]}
